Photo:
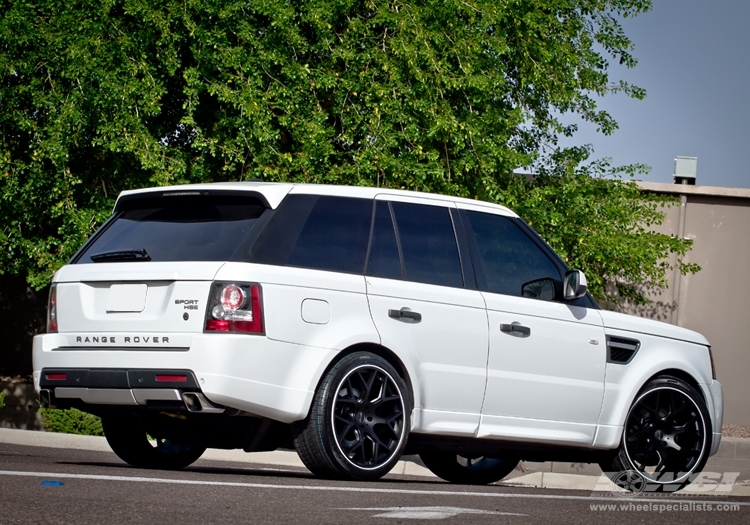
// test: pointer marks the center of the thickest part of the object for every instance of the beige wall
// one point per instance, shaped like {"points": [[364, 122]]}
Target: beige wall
{"points": [[716, 300]]}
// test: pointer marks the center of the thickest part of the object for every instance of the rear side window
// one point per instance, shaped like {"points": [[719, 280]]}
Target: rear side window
{"points": [[428, 244], [509, 258], [176, 228], [384, 260], [318, 232]]}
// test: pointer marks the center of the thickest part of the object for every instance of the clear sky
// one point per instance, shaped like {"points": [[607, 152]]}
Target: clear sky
{"points": [[694, 62]]}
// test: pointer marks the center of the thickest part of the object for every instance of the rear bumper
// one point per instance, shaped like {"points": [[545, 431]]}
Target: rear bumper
{"points": [[251, 373]]}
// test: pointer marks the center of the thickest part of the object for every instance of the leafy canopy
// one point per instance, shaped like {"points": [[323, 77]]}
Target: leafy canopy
{"points": [[446, 96]]}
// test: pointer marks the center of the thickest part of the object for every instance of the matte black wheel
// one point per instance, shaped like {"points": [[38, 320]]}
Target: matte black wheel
{"points": [[667, 436], [358, 424], [129, 439], [468, 470]]}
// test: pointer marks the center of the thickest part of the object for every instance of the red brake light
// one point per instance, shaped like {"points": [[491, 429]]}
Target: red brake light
{"points": [[57, 377]]}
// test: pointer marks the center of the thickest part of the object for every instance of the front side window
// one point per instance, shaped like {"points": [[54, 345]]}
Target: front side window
{"points": [[509, 259]]}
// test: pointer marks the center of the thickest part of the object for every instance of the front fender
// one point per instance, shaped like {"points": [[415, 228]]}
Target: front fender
{"points": [[655, 356]]}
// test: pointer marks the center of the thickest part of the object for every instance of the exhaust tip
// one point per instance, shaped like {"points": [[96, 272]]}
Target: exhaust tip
{"points": [[192, 403], [196, 402], [45, 398]]}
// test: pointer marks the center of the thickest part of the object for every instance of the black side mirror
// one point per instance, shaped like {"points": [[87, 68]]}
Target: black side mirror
{"points": [[543, 289]]}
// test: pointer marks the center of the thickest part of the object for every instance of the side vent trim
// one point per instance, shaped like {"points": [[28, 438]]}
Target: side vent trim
{"points": [[620, 350]]}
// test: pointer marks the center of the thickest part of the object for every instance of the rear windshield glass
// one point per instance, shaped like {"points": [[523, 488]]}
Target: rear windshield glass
{"points": [[176, 228]]}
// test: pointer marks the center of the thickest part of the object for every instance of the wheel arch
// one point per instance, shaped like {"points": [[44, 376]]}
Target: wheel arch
{"points": [[679, 374], [381, 351]]}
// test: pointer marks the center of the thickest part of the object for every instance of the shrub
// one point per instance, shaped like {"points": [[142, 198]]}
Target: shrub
{"points": [[2, 399], [71, 421]]}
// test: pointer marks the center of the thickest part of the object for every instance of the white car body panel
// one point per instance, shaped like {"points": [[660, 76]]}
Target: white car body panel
{"points": [[640, 325], [551, 379]]}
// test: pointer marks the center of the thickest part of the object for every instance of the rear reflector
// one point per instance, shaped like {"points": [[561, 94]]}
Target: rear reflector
{"points": [[218, 325], [56, 377], [171, 379]]}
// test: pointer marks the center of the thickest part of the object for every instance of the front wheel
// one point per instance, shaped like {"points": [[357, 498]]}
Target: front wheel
{"points": [[468, 470], [666, 439], [128, 438], [359, 422]]}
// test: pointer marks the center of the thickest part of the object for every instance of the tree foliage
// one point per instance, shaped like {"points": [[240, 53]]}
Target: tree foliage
{"points": [[446, 96]]}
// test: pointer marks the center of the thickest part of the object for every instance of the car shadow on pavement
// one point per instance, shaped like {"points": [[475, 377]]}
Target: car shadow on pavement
{"points": [[265, 471]]}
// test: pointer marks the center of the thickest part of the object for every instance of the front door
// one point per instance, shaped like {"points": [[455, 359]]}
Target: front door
{"points": [[545, 377]]}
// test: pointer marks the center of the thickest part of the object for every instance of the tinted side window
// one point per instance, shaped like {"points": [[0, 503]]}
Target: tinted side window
{"points": [[384, 259], [319, 232], [428, 244], [509, 258]]}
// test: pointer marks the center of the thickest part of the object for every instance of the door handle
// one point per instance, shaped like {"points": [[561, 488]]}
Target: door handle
{"points": [[405, 314], [516, 329]]}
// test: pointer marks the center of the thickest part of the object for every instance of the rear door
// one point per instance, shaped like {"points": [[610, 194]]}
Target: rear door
{"points": [[423, 310]]}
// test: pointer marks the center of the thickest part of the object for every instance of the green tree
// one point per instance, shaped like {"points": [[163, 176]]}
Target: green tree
{"points": [[447, 96]]}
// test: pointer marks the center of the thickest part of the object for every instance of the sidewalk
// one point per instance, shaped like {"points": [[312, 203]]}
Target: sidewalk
{"points": [[573, 476]]}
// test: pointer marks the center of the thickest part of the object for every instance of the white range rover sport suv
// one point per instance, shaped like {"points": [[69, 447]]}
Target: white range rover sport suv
{"points": [[356, 325]]}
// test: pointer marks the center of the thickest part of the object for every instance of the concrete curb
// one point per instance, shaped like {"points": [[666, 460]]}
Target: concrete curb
{"points": [[286, 458]]}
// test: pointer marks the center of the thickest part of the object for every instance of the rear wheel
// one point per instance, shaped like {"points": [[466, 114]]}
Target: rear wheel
{"points": [[358, 424], [128, 438], [666, 439], [468, 470]]}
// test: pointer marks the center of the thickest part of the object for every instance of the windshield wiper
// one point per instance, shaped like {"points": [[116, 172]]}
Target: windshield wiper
{"points": [[122, 255]]}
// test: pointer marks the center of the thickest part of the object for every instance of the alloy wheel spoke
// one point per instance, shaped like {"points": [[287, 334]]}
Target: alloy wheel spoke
{"points": [[379, 399], [342, 434], [376, 440]]}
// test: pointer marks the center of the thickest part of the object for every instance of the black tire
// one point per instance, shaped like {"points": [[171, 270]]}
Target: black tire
{"points": [[468, 470], [666, 438], [128, 438], [359, 420]]}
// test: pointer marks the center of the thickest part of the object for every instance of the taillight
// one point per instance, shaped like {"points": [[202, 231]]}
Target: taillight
{"points": [[235, 307], [52, 310]]}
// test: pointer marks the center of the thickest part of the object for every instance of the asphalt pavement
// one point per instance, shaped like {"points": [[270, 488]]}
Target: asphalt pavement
{"points": [[43, 484], [286, 458]]}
